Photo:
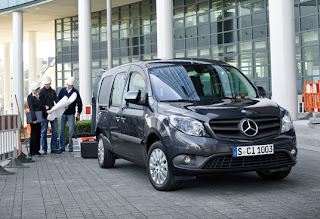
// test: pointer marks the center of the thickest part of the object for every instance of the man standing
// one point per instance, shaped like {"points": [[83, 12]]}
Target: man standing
{"points": [[69, 114], [48, 98]]}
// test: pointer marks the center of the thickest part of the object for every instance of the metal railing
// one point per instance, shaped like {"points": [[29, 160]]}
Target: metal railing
{"points": [[9, 139]]}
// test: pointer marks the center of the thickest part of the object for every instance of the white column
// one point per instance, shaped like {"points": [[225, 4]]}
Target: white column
{"points": [[85, 52], [17, 25], [7, 78], [109, 33], [33, 73], [165, 29], [283, 58]]}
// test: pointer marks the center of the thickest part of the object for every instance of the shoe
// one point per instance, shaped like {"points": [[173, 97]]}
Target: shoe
{"points": [[38, 153], [70, 150], [44, 153], [56, 152]]}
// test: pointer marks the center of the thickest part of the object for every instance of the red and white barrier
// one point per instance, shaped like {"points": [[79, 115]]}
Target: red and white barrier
{"points": [[9, 136]]}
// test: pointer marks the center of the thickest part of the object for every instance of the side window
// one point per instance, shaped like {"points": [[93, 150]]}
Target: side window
{"points": [[117, 89], [137, 83], [105, 90]]}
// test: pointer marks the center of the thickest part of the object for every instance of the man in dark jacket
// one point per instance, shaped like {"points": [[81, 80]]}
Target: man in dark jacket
{"points": [[48, 98], [69, 114]]}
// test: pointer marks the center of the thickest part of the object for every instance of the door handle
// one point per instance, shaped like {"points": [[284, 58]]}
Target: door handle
{"points": [[117, 118], [102, 108], [123, 118]]}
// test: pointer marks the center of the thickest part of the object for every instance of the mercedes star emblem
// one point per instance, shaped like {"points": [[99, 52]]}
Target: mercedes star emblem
{"points": [[249, 127]]}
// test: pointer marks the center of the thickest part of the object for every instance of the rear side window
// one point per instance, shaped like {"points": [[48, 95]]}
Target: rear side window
{"points": [[117, 89], [105, 90]]}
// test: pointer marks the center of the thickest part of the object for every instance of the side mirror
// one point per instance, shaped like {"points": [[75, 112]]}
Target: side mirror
{"points": [[134, 97], [262, 92]]}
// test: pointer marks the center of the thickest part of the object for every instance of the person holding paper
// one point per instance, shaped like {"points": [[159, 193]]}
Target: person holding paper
{"points": [[34, 106], [69, 113], [48, 98]]}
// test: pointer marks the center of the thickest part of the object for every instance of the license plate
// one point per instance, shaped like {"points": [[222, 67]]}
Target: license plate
{"points": [[254, 150]]}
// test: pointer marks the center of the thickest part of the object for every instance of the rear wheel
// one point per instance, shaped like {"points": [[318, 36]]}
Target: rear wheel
{"points": [[266, 175], [159, 171], [105, 158]]}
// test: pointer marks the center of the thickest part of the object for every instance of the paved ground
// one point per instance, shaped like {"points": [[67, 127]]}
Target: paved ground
{"points": [[61, 186]]}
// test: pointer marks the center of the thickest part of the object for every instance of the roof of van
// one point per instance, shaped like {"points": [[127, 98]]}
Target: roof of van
{"points": [[182, 60], [162, 62]]}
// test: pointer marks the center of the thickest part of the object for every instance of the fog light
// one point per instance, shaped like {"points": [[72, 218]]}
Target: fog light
{"points": [[187, 159], [293, 151]]}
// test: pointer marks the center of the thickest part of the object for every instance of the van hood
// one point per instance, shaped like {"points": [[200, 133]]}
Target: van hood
{"points": [[223, 108]]}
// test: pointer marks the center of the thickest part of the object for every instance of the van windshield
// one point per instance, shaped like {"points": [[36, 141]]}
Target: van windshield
{"points": [[199, 82]]}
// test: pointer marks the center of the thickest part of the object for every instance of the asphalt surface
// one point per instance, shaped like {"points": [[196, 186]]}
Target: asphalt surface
{"points": [[62, 186]]}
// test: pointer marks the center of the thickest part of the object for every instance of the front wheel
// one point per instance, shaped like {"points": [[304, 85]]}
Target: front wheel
{"points": [[266, 175], [158, 169], [105, 158]]}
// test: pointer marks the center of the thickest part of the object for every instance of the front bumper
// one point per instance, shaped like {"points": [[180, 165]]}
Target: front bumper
{"points": [[209, 155]]}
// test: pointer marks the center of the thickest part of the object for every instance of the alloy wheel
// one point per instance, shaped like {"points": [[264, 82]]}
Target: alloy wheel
{"points": [[100, 151], [158, 166]]}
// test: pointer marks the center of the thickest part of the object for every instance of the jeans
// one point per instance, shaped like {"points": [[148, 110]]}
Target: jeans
{"points": [[62, 138], [44, 126]]}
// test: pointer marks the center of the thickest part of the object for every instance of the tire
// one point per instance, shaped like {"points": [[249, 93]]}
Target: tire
{"points": [[159, 172], [274, 175], [105, 158]]}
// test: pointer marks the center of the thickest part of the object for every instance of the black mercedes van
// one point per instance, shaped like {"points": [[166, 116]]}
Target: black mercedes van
{"points": [[185, 117]]}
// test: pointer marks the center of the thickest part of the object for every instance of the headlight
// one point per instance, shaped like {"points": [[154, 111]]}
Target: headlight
{"points": [[286, 122], [187, 125]]}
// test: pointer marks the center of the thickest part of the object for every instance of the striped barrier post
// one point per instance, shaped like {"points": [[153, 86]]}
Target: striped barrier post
{"points": [[311, 96], [9, 138]]}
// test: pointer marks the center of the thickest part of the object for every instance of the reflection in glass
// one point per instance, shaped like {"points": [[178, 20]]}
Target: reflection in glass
{"points": [[245, 60], [261, 58], [261, 71], [259, 19], [216, 15], [247, 71], [309, 7], [310, 53], [309, 37], [191, 21], [217, 51], [260, 45], [231, 49], [199, 82], [244, 9], [245, 47], [311, 68], [257, 6], [309, 23], [232, 60], [216, 4]]}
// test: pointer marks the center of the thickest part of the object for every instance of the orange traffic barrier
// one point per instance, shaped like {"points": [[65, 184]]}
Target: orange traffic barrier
{"points": [[91, 138], [311, 96]]}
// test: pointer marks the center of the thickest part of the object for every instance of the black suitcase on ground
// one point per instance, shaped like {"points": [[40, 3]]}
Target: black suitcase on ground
{"points": [[89, 149]]}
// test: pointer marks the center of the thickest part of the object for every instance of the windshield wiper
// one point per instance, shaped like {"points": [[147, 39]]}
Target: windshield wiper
{"points": [[180, 100]]}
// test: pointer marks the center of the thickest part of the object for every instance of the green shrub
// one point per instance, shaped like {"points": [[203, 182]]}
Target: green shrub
{"points": [[83, 126]]}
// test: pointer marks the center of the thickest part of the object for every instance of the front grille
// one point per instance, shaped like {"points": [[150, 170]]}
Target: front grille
{"points": [[230, 128], [229, 162]]}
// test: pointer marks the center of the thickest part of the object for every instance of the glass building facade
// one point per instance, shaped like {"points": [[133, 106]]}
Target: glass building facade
{"points": [[234, 31]]}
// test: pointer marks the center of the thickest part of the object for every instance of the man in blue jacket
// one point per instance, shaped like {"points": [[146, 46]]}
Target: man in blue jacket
{"points": [[69, 114]]}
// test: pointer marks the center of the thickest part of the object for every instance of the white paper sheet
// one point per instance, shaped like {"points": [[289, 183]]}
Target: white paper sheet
{"points": [[58, 109]]}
